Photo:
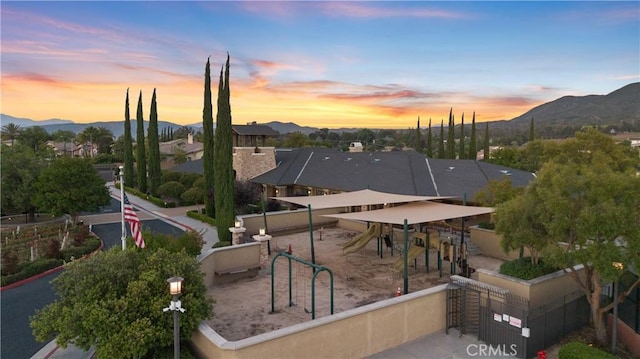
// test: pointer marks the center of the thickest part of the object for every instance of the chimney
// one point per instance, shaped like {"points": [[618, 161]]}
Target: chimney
{"points": [[190, 138]]}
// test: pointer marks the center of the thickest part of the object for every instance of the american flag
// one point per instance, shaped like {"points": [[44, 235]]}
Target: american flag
{"points": [[134, 222]]}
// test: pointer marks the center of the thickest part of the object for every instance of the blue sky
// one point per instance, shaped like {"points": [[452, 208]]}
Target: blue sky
{"points": [[330, 64]]}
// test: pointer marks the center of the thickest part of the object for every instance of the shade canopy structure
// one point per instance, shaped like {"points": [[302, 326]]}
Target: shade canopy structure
{"points": [[356, 198], [414, 213]]}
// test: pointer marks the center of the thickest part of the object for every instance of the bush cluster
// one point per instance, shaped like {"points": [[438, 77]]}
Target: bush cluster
{"points": [[579, 350], [522, 268], [29, 269], [201, 217], [222, 244]]}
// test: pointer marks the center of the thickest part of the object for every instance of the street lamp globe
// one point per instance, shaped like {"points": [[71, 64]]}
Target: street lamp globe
{"points": [[175, 285]]}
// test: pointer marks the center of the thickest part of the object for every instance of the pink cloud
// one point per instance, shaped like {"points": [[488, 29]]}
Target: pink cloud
{"points": [[286, 9], [34, 77], [363, 10], [39, 20]]}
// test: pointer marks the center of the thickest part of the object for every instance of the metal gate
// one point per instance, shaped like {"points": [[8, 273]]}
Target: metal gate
{"points": [[496, 316]]}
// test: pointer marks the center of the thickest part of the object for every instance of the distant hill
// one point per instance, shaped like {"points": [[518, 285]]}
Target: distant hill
{"points": [[26, 122], [611, 109]]}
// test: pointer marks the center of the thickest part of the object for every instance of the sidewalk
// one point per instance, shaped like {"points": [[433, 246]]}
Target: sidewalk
{"points": [[175, 216]]}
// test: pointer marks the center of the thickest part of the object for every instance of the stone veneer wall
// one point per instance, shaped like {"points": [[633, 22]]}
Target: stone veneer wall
{"points": [[249, 164]]}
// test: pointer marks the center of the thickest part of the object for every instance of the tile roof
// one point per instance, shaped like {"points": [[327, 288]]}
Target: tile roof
{"points": [[254, 130], [401, 172]]}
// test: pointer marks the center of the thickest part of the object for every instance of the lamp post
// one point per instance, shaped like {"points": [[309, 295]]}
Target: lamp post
{"points": [[614, 325], [175, 289]]}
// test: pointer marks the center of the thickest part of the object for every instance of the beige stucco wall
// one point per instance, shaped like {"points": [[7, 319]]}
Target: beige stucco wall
{"points": [[249, 164], [538, 290], [489, 243], [355, 333], [219, 259], [283, 220]]}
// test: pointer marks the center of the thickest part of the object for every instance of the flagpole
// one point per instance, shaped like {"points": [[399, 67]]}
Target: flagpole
{"points": [[124, 230]]}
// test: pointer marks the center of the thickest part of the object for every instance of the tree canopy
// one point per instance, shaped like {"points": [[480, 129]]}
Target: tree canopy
{"points": [[70, 186], [582, 209], [20, 169], [115, 299]]}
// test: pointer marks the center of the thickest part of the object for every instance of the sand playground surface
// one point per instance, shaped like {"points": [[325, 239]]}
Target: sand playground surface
{"points": [[243, 308]]}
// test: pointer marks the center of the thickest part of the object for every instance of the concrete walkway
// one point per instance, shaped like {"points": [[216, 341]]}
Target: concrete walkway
{"points": [[440, 345]]}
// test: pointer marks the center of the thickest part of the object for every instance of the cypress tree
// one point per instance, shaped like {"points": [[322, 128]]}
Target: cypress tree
{"points": [[141, 159], [472, 142], [419, 144], [223, 161], [441, 153], [429, 141], [128, 146], [461, 152], [532, 132], [154, 147], [486, 142], [207, 132], [451, 137], [171, 134]]}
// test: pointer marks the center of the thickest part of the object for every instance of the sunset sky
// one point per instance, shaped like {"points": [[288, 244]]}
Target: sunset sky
{"points": [[330, 64]]}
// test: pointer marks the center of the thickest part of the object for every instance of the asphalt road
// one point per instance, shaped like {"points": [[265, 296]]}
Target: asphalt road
{"points": [[19, 303]]}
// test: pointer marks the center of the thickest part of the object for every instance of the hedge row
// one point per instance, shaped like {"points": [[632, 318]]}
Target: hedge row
{"points": [[155, 200], [201, 217]]}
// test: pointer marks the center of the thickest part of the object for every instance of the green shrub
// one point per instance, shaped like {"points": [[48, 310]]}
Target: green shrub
{"points": [[487, 225], [53, 248], [221, 244], [10, 262], [201, 217], [579, 350], [170, 176], [188, 179], [89, 246], [167, 352], [522, 268], [171, 190], [190, 241], [155, 200]]}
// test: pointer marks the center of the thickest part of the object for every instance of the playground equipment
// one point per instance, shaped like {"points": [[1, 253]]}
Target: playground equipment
{"points": [[360, 241], [316, 269], [412, 255]]}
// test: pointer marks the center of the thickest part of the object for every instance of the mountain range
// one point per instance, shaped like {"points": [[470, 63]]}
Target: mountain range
{"points": [[621, 105]]}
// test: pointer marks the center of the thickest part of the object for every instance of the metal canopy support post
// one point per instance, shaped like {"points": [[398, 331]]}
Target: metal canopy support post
{"points": [[266, 228], [426, 251], [313, 253], [463, 246]]}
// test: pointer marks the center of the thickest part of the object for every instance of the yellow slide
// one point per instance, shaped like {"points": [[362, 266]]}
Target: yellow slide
{"points": [[414, 252], [358, 242]]}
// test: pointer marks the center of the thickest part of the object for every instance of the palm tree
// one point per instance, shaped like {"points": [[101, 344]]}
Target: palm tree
{"points": [[11, 132]]}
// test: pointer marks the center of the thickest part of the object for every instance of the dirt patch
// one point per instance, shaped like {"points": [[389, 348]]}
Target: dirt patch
{"points": [[243, 308]]}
